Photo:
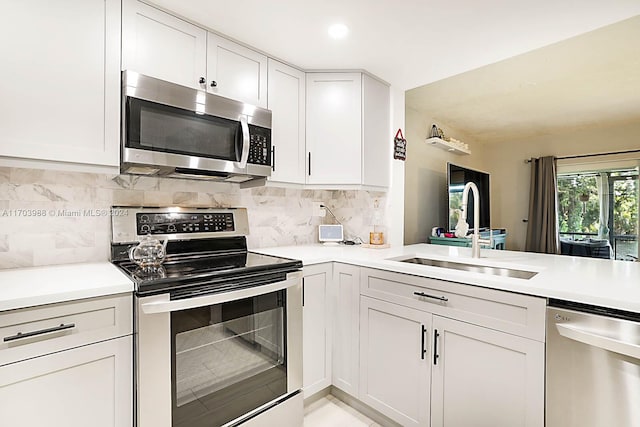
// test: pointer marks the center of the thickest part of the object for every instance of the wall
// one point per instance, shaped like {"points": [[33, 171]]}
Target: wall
{"points": [[510, 175], [52, 217], [395, 210], [425, 188]]}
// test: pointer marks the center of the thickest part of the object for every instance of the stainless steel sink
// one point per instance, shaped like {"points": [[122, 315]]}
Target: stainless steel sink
{"points": [[496, 271]]}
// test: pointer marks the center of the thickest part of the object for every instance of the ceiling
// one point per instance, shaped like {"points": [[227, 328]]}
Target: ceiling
{"points": [[408, 43], [586, 81]]}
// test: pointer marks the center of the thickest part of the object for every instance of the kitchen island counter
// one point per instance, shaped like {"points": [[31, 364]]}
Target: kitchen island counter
{"points": [[606, 283]]}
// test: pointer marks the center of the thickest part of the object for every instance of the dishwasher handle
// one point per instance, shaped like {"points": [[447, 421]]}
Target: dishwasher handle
{"points": [[589, 337]]}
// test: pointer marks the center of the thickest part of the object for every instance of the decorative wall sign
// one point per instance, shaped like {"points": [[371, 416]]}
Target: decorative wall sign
{"points": [[399, 146]]}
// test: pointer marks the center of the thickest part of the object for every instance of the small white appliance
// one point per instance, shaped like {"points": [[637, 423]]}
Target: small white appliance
{"points": [[331, 233]]}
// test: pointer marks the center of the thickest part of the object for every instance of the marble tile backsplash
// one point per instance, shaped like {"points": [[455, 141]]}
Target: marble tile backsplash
{"points": [[51, 217]]}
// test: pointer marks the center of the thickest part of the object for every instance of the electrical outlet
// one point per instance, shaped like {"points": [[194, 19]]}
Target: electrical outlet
{"points": [[318, 210]]}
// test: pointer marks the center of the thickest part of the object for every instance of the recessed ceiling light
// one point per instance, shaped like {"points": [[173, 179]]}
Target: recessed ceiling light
{"points": [[338, 31]]}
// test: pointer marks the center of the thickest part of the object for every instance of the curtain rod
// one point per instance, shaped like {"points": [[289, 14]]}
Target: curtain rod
{"points": [[611, 153]]}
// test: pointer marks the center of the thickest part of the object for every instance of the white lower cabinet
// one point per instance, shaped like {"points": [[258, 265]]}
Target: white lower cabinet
{"points": [[84, 386], [435, 353], [346, 328], [482, 377], [316, 324], [395, 366], [68, 364], [425, 352]]}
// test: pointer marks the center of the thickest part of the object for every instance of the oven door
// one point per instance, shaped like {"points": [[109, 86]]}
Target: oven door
{"points": [[220, 359]]}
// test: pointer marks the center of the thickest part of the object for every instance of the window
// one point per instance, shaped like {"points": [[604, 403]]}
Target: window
{"points": [[597, 206]]}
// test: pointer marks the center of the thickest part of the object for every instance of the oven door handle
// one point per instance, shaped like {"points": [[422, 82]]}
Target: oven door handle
{"points": [[166, 305]]}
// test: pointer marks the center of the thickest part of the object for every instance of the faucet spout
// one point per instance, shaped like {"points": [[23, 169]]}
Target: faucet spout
{"points": [[475, 239]]}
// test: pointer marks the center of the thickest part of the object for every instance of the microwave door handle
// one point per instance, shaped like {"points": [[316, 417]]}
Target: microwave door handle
{"points": [[244, 125]]}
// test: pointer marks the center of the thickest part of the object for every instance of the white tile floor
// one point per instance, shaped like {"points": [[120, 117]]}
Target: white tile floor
{"points": [[330, 411]]}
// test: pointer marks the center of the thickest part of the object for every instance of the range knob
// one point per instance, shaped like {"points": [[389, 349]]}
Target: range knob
{"points": [[171, 228], [145, 228]]}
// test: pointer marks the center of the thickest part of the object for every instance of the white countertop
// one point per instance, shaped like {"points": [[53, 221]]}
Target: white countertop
{"points": [[613, 284], [26, 287]]}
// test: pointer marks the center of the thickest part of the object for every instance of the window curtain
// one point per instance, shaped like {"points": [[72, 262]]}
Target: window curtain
{"points": [[542, 228], [603, 191]]}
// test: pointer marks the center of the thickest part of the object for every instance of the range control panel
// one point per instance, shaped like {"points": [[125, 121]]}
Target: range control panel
{"points": [[259, 146], [183, 222]]}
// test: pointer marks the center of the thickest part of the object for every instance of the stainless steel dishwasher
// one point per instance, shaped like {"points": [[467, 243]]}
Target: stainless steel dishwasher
{"points": [[593, 366]]}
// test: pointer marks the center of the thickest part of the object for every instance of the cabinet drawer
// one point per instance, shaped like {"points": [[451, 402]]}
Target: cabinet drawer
{"points": [[35, 331], [513, 313]]}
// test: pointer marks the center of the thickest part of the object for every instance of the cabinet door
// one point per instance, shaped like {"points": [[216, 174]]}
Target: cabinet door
{"points": [[236, 72], [394, 362], [160, 45], [287, 103], [334, 128], [483, 377], [316, 328], [346, 328], [85, 386], [60, 81], [376, 133]]}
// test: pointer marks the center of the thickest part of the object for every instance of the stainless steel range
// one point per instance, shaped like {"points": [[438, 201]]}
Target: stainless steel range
{"points": [[218, 332]]}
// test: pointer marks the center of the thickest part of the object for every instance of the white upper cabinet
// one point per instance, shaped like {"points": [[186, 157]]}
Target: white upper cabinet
{"points": [[286, 87], [60, 82], [334, 130], [348, 130], [160, 45], [376, 133], [236, 72]]}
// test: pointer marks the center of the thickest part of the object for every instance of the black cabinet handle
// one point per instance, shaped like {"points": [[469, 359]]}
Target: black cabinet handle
{"points": [[213, 83], [273, 158], [422, 294], [21, 335], [309, 163], [435, 346], [423, 332], [303, 291], [202, 80]]}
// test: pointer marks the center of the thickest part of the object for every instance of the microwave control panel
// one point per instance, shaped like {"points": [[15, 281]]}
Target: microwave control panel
{"points": [[259, 146], [183, 222]]}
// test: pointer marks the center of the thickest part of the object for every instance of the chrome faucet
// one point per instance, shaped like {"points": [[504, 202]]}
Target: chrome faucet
{"points": [[476, 241]]}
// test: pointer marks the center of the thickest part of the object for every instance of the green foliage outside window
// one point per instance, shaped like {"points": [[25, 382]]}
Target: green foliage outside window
{"points": [[625, 208], [575, 216], [578, 216]]}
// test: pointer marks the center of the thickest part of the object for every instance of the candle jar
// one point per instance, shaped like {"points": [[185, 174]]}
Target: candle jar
{"points": [[376, 238]]}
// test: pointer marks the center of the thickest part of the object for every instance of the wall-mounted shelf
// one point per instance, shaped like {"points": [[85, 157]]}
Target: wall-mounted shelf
{"points": [[448, 146]]}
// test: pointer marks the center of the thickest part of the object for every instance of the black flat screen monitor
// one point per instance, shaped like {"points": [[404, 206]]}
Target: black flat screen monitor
{"points": [[457, 177]]}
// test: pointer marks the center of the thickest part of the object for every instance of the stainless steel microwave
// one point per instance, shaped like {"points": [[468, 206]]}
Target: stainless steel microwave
{"points": [[179, 132]]}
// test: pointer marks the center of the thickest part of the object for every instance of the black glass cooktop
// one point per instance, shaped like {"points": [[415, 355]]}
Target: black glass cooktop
{"points": [[209, 269]]}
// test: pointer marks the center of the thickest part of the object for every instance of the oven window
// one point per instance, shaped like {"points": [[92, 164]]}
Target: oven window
{"points": [[157, 127], [228, 359]]}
